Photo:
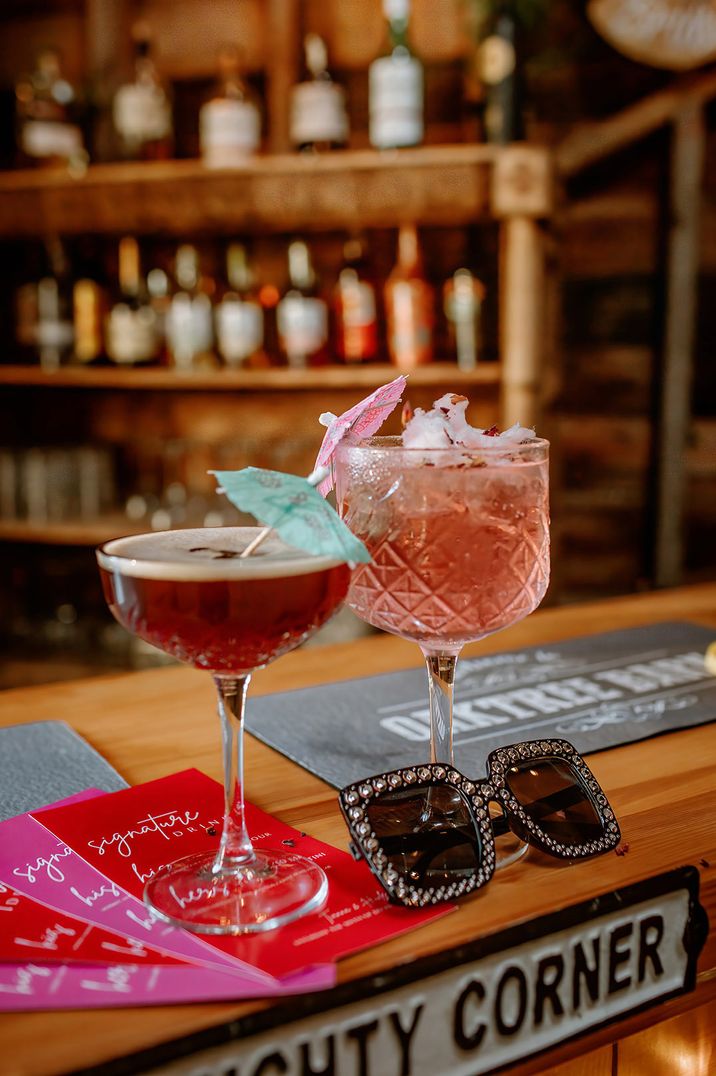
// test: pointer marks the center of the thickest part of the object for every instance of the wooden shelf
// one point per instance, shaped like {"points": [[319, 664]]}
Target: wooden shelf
{"points": [[278, 379], [80, 532], [438, 185]]}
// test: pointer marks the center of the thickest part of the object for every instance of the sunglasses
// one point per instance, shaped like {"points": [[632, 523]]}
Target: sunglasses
{"points": [[427, 834]]}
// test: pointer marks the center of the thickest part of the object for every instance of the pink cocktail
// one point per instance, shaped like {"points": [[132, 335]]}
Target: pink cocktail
{"points": [[460, 545]]}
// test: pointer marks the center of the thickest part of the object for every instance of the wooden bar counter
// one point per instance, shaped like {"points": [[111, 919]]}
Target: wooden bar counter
{"points": [[663, 790]]}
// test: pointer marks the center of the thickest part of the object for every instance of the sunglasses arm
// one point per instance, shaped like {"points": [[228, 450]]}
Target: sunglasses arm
{"points": [[500, 825]]}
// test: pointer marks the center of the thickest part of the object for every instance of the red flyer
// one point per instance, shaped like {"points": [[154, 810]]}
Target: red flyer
{"points": [[32, 931], [130, 834]]}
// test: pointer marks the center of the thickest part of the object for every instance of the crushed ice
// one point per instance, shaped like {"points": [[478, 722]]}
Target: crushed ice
{"points": [[446, 425]]}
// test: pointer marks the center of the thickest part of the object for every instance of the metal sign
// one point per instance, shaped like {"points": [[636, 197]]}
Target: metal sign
{"points": [[482, 1006]]}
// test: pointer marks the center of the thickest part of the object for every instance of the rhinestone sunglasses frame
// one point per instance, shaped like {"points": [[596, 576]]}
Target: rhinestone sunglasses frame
{"points": [[477, 795]]}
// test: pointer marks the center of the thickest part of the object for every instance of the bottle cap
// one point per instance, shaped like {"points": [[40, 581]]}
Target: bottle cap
{"points": [[316, 54], [299, 264], [396, 10], [229, 60]]}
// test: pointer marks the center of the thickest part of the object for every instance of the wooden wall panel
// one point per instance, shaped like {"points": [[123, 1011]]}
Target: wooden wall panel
{"points": [[355, 30], [23, 37], [190, 34], [682, 1046], [595, 1063], [609, 379], [610, 234]]}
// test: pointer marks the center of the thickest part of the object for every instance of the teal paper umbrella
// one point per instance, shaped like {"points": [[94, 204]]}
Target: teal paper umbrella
{"points": [[295, 509]]}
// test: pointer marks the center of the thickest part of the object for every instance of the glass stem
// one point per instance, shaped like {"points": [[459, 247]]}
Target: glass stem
{"points": [[441, 678], [235, 849]]}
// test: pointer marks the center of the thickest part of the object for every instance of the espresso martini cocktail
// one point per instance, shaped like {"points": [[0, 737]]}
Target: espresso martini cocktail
{"points": [[194, 596]]}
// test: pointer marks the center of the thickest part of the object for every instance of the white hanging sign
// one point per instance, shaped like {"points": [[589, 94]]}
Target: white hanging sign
{"points": [[484, 1005]]}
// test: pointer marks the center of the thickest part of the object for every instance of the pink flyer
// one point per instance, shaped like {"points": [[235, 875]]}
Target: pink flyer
{"points": [[27, 987]]}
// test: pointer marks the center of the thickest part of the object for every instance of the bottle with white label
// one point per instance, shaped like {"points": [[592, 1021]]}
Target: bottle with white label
{"points": [[131, 336], [46, 104], [395, 86], [141, 110], [318, 116], [230, 121], [302, 315], [54, 332], [239, 316], [189, 322]]}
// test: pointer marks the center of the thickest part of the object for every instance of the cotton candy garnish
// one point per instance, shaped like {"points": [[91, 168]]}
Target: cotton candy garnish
{"points": [[446, 425]]}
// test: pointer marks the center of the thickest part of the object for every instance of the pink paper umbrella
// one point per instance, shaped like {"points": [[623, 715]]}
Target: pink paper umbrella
{"points": [[359, 421]]}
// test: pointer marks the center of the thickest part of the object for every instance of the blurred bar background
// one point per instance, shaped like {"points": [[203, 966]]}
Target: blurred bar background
{"points": [[218, 221]]}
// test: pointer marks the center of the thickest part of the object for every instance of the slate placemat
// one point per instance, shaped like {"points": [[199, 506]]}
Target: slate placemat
{"points": [[45, 761], [597, 691]]}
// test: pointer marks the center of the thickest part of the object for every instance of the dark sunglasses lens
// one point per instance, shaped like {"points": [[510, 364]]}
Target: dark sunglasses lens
{"points": [[552, 794], [427, 834]]}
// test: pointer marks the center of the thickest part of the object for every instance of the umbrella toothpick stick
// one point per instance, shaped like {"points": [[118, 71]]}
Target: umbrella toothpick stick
{"points": [[313, 479]]}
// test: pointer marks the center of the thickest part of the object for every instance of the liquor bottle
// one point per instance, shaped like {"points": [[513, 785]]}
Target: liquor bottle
{"points": [[409, 305], [463, 295], [319, 120], [89, 303], [131, 333], [158, 289], [230, 121], [26, 322], [141, 109], [501, 77], [355, 308], [395, 86], [189, 323], [301, 315], [54, 333], [46, 106], [239, 316]]}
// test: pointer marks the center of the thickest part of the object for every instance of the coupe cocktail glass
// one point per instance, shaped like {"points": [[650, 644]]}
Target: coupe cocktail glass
{"points": [[460, 545], [190, 593]]}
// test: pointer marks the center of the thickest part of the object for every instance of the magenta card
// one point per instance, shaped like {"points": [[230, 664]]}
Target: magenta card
{"points": [[32, 931], [129, 834], [24, 987], [35, 862]]}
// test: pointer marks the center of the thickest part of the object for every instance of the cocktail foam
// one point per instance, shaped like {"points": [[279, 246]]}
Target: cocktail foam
{"points": [[206, 554]]}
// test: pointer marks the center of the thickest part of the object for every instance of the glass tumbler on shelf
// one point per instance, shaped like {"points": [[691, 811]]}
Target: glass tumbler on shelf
{"points": [[191, 594], [460, 544]]}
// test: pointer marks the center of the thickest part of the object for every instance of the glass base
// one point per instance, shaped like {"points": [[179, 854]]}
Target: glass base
{"points": [[508, 849], [274, 889]]}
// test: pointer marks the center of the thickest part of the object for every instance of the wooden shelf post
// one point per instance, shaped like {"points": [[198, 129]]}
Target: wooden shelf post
{"points": [[687, 162], [284, 27], [521, 320], [521, 198]]}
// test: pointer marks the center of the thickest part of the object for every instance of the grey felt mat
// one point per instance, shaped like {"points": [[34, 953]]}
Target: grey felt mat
{"points": [[598, 691], [45, 761]]}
